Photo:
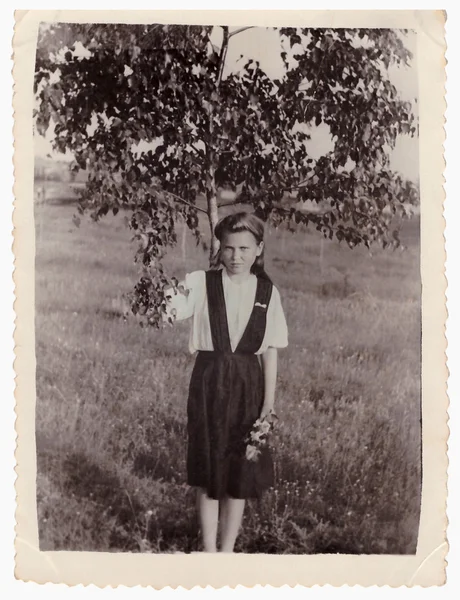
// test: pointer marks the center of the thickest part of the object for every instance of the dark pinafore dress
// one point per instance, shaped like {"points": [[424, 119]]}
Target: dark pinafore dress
{"points": [[225, 399]]}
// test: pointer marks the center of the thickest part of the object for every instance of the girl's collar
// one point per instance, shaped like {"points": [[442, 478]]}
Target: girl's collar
{"points": [[226, 277]]}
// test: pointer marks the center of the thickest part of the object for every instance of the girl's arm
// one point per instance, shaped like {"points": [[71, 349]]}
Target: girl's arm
{"points": [[270, 367]]}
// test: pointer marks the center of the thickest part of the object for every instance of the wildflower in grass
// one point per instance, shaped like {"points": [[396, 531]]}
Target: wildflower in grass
{"points": [[258, 436]]}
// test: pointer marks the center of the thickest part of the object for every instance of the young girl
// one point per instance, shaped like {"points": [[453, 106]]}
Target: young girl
{"points": [[238, 324]]}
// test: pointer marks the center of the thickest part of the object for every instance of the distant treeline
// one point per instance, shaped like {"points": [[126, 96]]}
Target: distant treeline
{"points": [[48, 170]]}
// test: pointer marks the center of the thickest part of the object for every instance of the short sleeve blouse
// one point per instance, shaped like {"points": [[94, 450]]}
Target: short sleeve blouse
{"points": [[239, 302]]}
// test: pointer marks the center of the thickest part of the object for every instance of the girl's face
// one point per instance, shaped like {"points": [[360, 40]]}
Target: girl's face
{"points": [[238, 251]]}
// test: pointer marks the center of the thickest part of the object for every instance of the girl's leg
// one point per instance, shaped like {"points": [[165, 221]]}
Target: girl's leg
{"points": [[208, 511], [232, 516]]}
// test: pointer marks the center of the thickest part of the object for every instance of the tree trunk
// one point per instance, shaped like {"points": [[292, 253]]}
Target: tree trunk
{"points": [[213, 215], [211, 193], [184, 240], [211, 190]]}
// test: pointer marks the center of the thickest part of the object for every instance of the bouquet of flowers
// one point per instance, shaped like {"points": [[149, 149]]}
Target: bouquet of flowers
{"points": [[258, 436]]}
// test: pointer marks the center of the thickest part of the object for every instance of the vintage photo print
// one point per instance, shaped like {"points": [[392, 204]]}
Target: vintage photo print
{"points": [[230, 298]]}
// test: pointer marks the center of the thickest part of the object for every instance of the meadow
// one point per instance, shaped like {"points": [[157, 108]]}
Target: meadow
{"points": [[111, 398]]}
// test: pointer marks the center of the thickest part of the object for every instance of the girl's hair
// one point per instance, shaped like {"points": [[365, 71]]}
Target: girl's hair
{"points": [[244, 221]]}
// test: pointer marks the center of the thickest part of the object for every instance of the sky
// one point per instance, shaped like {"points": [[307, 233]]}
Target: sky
{"points": [[263, 44]]}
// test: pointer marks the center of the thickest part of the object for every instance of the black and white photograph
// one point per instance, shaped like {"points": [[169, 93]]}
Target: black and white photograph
{"points": [[227, 289], [230, 298]]}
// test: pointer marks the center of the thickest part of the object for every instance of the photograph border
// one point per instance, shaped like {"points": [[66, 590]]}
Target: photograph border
{"points": [[425, 568]]}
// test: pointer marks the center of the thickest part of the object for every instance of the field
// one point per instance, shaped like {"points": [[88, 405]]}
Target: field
{"points": [[111, 398]]}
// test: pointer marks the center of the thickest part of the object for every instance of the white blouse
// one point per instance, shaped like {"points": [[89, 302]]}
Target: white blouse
{"points": [[239, 302]]}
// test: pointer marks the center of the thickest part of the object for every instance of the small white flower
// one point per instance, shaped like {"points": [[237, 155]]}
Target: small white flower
{"points": [[256, 435], [252, 452], [265, 427]]}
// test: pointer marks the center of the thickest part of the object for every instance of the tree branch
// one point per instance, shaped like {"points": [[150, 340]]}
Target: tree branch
{"points": [[240, 30], [277, 207], [196, 150], [237, 200], [179, 199], [222, 56], [233, 203]]}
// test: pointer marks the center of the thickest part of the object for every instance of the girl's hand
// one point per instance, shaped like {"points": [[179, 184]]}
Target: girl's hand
{"points": [[266, 410]]}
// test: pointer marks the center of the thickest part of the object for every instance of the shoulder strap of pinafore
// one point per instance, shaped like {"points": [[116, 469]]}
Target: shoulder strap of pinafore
{"points": [[217, 312], [254, 333]]}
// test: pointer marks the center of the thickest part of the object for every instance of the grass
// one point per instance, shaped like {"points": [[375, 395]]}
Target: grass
{"points": [[111, 398]]}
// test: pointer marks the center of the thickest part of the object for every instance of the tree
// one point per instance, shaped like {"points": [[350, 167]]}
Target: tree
{"points": [[148, 112]]}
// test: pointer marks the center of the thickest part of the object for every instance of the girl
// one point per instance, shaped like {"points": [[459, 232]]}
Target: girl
{"points": [[238, 324]]}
